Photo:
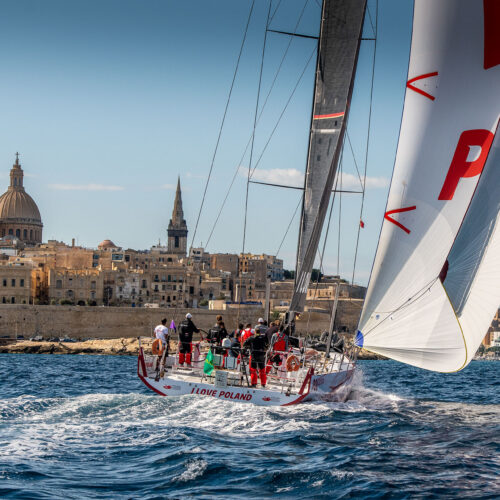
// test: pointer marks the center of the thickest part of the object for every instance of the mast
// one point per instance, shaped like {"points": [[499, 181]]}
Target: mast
{"points": [[338, 49]]}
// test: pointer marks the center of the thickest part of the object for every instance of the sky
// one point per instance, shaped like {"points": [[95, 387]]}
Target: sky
{"points": [[109, 101]]}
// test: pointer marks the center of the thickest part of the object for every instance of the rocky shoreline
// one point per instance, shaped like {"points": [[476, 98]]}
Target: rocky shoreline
{"points": [[115, 347]]}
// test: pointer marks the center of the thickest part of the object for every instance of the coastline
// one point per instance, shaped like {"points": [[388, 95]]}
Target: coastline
{"points": [[114, 347]]}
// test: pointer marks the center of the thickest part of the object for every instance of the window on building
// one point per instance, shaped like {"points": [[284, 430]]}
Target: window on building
{"points": [[4, 282], [25, 234], [163, 287], [169, 278], [11, 232], [144, 284], [191, 290], [176, 244], [13, 282], [92, 295], [12, 300], [18, 233], [59, 284], [4, 300], [127, 258], [133, 291], [21, 282], [157, 278], [93, 285], [31, 234], [168, 298]]}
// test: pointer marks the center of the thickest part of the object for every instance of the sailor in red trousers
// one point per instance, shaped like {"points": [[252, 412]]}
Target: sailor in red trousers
{"points": [[258, 345], [186, 330]]}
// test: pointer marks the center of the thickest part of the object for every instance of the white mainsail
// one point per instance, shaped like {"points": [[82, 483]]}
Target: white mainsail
{"points": [[435, 280]]}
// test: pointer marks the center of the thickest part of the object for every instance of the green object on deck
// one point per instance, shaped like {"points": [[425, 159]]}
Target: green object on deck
{"points": [[208, 367]]}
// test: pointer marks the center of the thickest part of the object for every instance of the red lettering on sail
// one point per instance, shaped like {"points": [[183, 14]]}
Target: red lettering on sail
{"points": [[397, 211], [410, 85], [491, 33], [460, 167]]}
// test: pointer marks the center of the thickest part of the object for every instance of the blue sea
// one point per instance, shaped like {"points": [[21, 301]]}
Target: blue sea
{"points": [[74, 427]]}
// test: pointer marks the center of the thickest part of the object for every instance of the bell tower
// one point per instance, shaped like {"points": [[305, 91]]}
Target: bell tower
{"points": [[177, 228]]}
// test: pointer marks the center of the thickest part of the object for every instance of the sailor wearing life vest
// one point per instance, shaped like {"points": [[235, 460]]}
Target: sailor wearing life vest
{"points": [[246, 334], [258, 345], [279, 340], [161, 333], [186, 330], [279, 345]]}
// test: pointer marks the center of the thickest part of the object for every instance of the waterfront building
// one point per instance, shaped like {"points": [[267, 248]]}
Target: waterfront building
{"points": [[15, 284], [227, 262], [263, 266], [75, 286], [19, 214]]}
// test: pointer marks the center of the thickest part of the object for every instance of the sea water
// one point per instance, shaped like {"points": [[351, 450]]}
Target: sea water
{"points": [[75, 427]]}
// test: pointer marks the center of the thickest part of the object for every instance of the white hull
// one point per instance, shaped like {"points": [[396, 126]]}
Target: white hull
{"points": [[334, 386]]}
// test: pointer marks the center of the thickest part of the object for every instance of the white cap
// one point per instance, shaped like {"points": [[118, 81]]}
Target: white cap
{"points": [[260, 320], [188, 316]]}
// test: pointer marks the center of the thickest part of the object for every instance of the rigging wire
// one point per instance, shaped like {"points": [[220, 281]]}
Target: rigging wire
{"points": [[223, 121], [254, 127], [275, 10], [354, 158], [290, 224], [248, 144], [253, 140], [283, 111], [367, 143]]}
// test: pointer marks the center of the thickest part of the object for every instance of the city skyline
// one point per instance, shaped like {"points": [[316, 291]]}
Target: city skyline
{"points": [[107, 110]]}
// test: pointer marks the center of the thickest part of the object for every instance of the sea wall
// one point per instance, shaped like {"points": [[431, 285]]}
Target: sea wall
{"points": [[118, 322]]}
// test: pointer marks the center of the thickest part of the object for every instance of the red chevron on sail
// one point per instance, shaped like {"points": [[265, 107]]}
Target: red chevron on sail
{"points": [[419, 91], [398, 211]]}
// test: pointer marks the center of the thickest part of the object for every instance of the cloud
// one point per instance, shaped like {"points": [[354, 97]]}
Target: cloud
{"points": [[295, 178], [284, 176], [85, 187]]}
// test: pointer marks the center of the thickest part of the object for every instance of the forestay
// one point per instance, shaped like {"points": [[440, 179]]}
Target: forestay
{"points": [[434, 285], [340, 34]]}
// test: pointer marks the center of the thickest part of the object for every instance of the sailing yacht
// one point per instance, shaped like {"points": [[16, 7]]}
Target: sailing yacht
{"points": [[434, 288]]}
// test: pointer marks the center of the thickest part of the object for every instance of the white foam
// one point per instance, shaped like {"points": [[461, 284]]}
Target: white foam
{"points": [[194, 468]]}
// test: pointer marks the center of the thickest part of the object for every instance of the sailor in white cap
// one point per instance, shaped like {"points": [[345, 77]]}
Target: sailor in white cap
{"points": [[186, 330], [262, 325]]}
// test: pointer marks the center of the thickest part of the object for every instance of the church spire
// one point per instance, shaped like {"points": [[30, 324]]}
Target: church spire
{"points": [[177, 228]]}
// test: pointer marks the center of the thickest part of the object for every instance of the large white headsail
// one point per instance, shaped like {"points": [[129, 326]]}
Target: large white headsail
{"points": [[447, 159]]}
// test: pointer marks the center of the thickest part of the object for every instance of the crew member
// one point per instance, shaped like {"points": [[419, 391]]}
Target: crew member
{"points": [[262, 324], [186, 330], [273, 328], [279, 340], [246, 334], [237, 333], [162, 333], [258, 345], [279, 345]]}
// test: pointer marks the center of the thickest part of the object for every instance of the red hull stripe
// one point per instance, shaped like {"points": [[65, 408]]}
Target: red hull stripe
{"points": [[421, 77], [398, 211], [325, 117], [491, 33]]}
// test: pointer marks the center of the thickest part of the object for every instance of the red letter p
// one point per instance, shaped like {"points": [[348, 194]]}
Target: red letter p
{"points": [[460, 167]]}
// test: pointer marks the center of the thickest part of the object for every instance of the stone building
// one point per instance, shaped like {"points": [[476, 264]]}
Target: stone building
{"points": [[227, 262], [19, 214], [15, 284], [75, 286], [177, 227]]}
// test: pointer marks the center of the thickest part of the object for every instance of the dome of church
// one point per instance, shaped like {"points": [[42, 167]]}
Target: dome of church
{"points": [[106, 244], [19, 205], [19, 214]]}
